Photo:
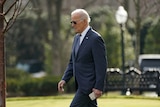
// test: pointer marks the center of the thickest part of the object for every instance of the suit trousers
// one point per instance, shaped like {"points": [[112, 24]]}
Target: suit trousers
{"points": [[82, 100]]}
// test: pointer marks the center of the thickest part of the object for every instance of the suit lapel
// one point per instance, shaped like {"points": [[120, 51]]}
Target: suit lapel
{"points": [[84, 43]]}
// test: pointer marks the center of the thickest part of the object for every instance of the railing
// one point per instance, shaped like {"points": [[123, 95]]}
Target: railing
{"points": [[133, 79]]}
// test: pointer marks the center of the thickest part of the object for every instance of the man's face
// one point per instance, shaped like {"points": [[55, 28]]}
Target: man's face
{"points": [[77, 23]]}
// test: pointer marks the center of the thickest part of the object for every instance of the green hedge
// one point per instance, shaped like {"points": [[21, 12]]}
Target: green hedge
{"points": [[40, 86], [20, 83]]}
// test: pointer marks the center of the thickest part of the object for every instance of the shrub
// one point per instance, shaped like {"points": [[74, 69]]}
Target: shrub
{"points": [[20, 83]]}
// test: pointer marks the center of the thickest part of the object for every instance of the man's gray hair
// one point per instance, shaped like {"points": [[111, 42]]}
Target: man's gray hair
{"points": [[83, 13]]}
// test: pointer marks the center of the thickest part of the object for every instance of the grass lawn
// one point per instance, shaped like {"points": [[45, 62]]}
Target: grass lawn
{"points": [[64, 101]]}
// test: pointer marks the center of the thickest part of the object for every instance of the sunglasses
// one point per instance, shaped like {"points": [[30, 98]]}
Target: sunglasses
{"points": [[73, 22]]}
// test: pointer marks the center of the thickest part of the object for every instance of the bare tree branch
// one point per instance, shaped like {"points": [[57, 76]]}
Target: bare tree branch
{"points": [[18, 9], [149, 8], [89, 3], [8, 10]]}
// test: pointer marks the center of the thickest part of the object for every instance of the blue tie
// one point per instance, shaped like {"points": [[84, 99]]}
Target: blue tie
{"points": [[77, 44]]}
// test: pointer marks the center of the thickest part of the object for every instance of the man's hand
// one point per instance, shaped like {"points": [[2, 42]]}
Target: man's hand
{"points": [[97, 92], [61, 85]]}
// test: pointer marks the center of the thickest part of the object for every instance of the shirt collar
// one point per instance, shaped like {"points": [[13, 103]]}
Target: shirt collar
{"points": [[85, 31], [83, 34]]}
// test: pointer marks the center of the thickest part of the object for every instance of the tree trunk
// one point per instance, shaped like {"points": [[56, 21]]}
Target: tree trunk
{"points": [[2, 64], [138, 26], [54, 15]]}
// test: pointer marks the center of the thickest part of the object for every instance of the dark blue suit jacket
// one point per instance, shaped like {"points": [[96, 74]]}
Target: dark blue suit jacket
{"points": [[89, 65]]}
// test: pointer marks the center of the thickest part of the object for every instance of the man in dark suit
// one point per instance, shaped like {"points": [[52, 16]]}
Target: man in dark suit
{"points": [[87, 63]]}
